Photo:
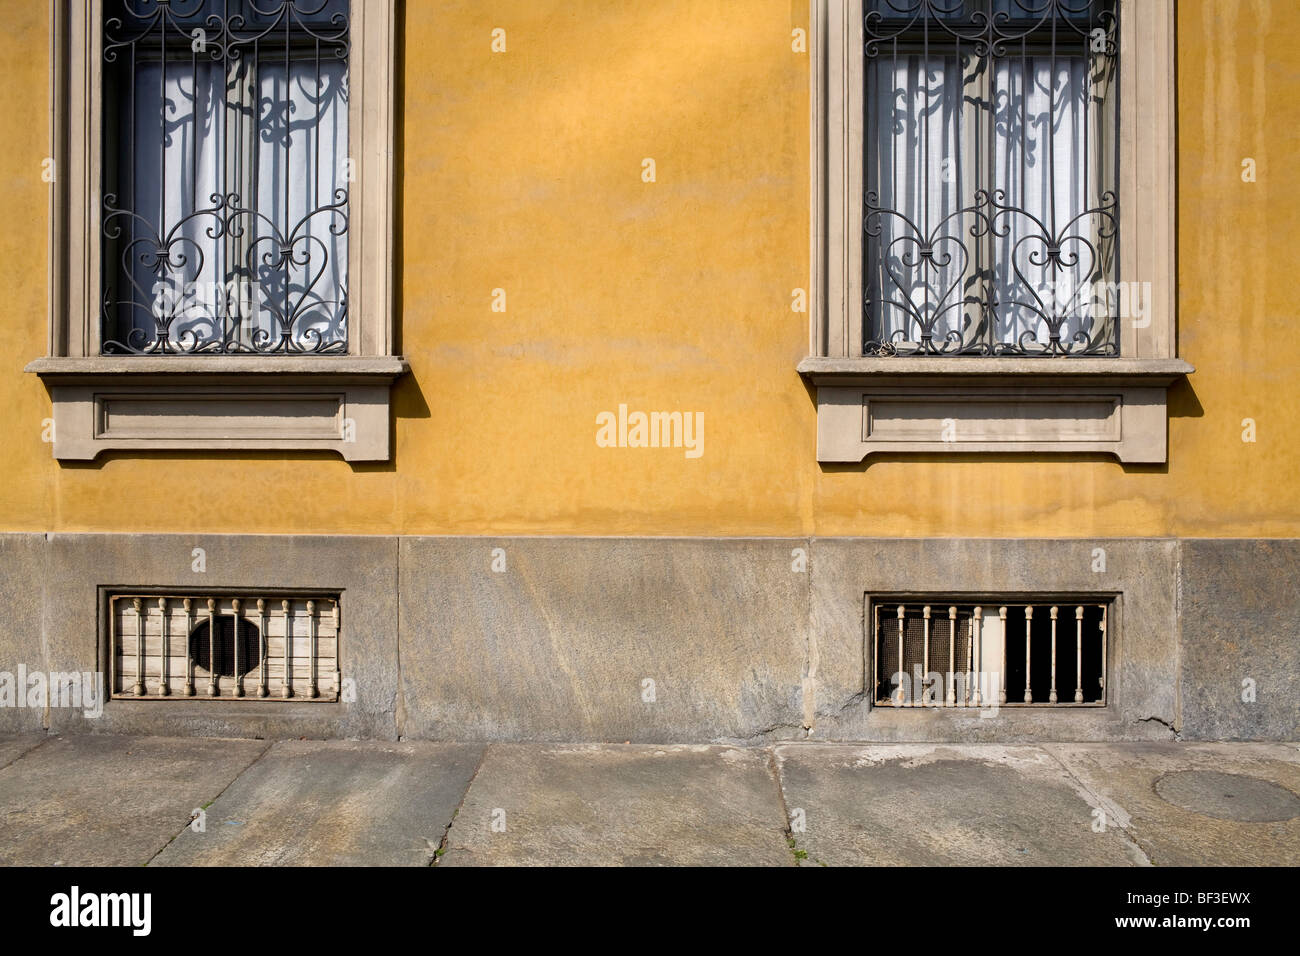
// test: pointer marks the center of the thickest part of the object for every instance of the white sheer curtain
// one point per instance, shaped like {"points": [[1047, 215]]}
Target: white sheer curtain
{"points": [[923, 184], [1046, 164], [272, 150], [1021, 130]]}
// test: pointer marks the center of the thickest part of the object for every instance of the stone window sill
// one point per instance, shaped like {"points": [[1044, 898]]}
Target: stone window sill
{"points": [[268, 403], [871, 406]]}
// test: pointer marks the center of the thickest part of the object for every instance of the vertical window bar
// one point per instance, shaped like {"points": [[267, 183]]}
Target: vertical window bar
{"points": [[877, 648], [115, 672], [236, 604], [138, 605], [1104, 638], [262, 641], [1051, 697], [189, 658], [1078, 657], [901, 672], [287, 690], [925, 659], [950, 698], [213, 685], [312, 690], [338, 626], [164, 687], [1029, 618], [1002, 678]]}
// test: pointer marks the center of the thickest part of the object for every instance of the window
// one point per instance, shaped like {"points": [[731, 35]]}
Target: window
{"points": [[952, 652], [991, 207], [222, 226], [225, 177], [265, 646], [993, 227]]}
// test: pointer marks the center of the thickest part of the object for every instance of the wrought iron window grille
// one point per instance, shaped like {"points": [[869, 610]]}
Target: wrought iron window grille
{"points": [[225, 183], [954, 653], [266, 645], [991, 222]]}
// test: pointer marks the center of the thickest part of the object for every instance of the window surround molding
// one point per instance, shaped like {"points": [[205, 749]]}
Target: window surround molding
{"points": [[874, 405], [230, 402]]}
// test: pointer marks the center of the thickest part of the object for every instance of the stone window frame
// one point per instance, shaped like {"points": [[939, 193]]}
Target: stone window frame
{"points": [[338, 403], [961, 404]]}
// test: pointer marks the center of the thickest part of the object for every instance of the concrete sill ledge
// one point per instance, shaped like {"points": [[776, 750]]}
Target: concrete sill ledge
{"points": [[1022, 371], [190, 367], [956, 405], [220, 403]]}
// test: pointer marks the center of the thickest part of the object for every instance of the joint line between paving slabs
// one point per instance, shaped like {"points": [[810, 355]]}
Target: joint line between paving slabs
{"points": [[446, 830], [32, 749], [231, 783], [774, 768], [1100, 802]]}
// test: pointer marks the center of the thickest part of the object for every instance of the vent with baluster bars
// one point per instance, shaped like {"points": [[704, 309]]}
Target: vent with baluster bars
{"points": [[942, 653], [267, 646]]}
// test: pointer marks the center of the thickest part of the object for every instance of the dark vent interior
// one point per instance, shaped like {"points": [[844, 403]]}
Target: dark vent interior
{"points": [[203, 650]]}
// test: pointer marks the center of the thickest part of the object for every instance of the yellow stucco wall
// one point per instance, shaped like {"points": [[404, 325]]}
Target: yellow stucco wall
{"points": [[522, 171]]}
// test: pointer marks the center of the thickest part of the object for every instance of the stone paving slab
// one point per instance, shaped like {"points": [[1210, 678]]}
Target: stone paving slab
{"points": [[110, 801], [620, 805], [1221, 804], [333, 803], [939, 805]]}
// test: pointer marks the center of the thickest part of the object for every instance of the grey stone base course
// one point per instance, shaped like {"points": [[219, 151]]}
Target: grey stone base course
{"points": [[666, 640], [1240, 605]]}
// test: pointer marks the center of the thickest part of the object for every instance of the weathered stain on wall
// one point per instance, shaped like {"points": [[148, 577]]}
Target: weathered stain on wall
{"points": [[522, 171]]}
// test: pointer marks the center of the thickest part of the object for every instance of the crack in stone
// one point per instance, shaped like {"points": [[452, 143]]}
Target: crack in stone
{"points": [[1164, 723]]}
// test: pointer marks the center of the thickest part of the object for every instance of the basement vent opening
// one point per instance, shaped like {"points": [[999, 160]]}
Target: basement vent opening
{"points": [[946, 652], [261, 646]]}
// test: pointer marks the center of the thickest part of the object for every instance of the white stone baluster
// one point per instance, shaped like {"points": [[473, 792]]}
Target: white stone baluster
{"points": [[312, 690], [950, 699], [213, 689], [1104, 639], [236, 604], [138, 689], [1051, 697], [1002, 677], [902, 697], [925, 659], [287, 690], [189, 657], [1029, 619], [164, 688], [262, 639], [1078, 657]]}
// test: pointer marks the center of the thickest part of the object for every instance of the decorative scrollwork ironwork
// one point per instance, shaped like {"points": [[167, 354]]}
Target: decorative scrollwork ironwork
{"points": [[1007, 245], [234, 88]]}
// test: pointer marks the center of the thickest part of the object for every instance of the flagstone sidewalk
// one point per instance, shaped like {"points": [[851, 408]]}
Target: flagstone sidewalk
{"points": [[109, 800]]}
